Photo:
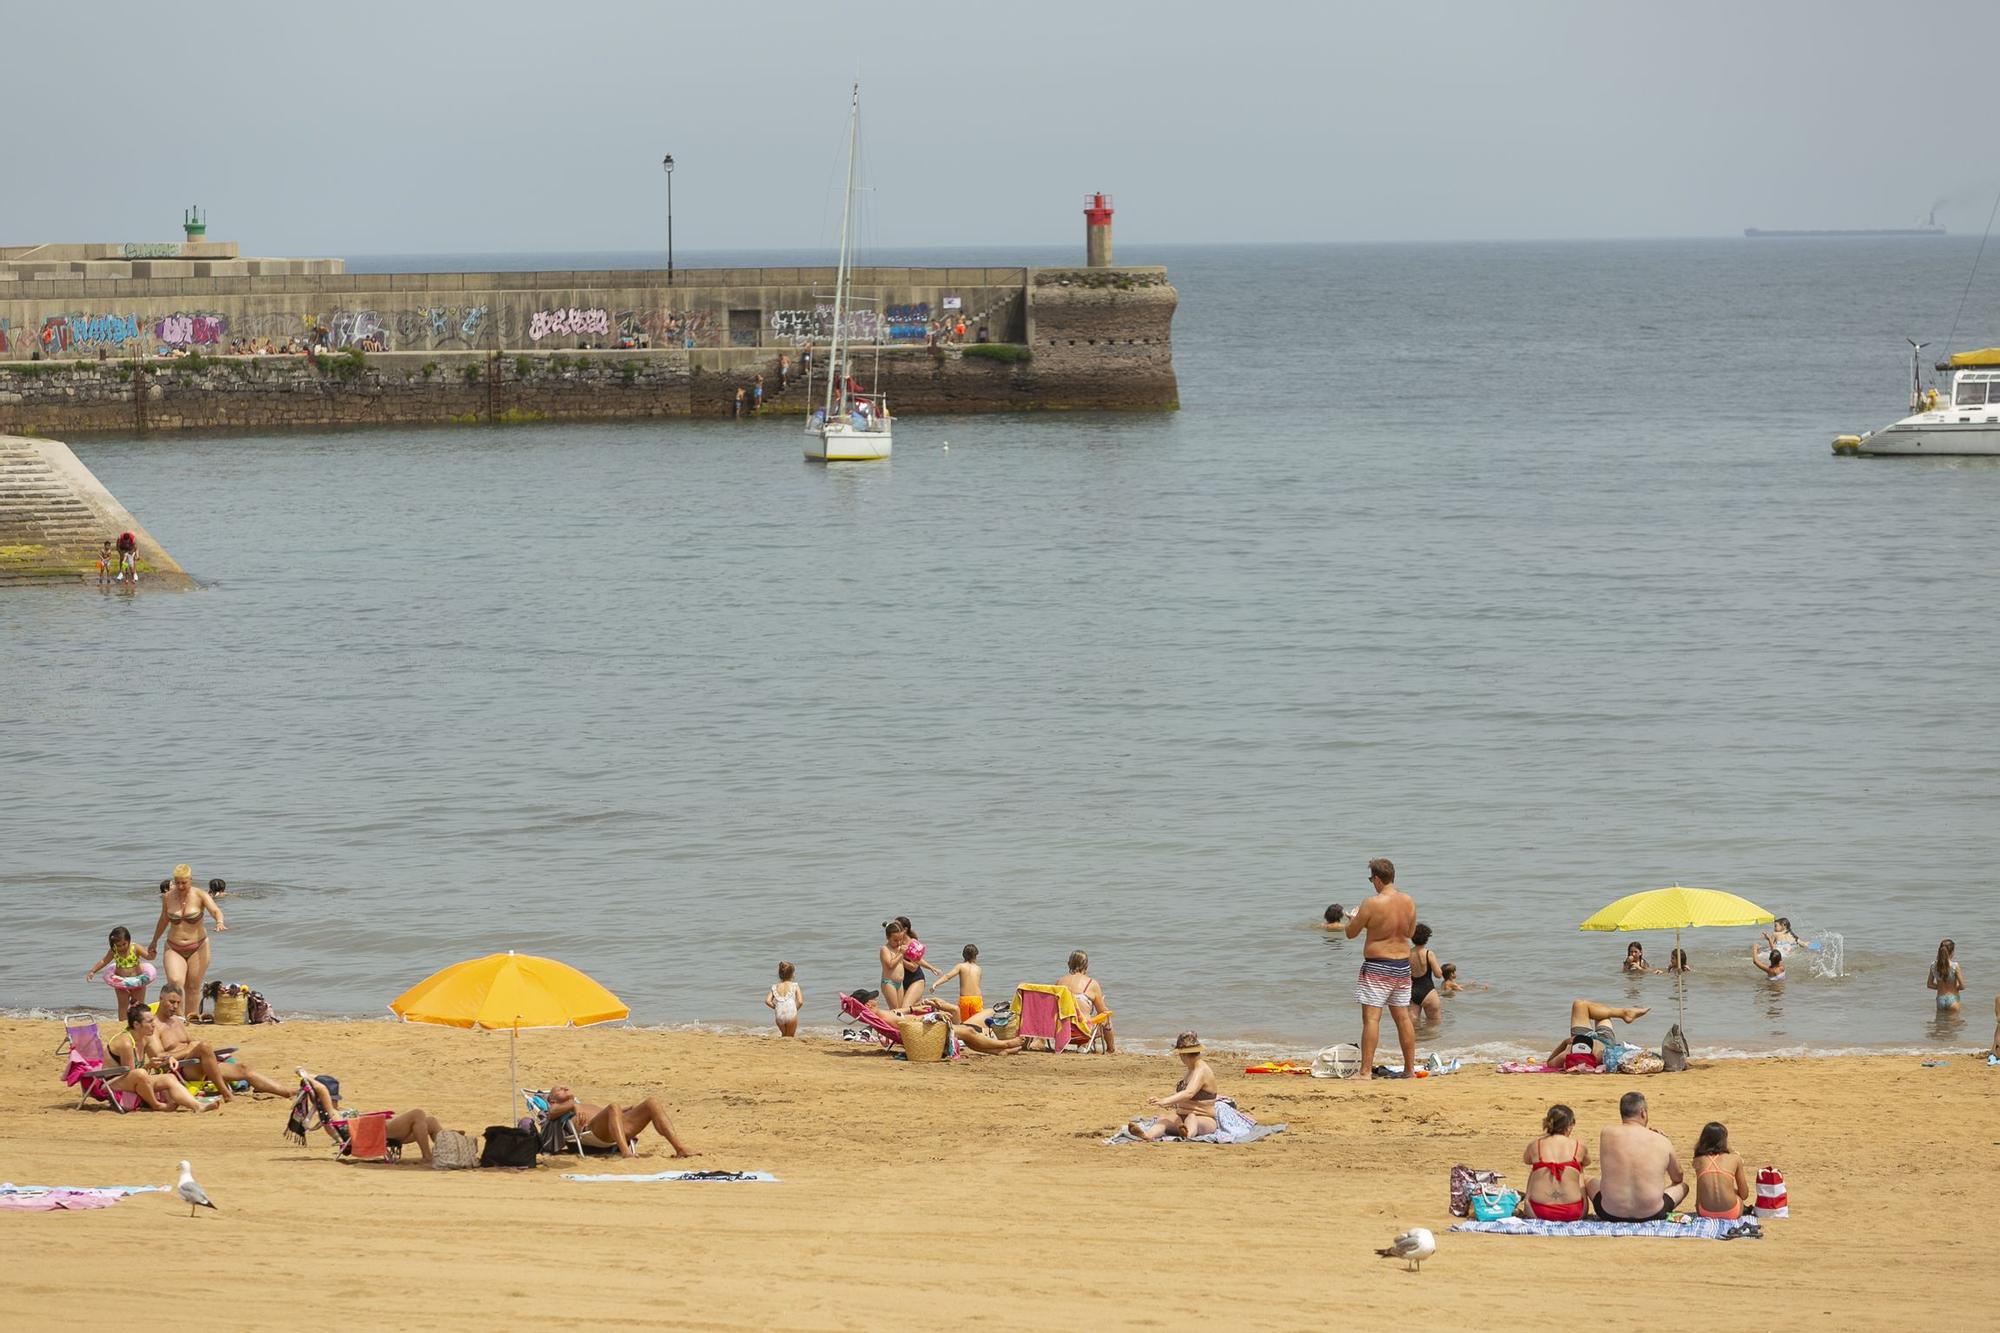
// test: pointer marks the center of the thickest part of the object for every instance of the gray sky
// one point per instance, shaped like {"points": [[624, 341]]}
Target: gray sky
{"points": [[366, 127]]}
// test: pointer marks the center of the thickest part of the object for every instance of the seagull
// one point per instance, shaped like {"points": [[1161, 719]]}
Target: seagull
{"points": [[1413, 1247], [192, 1194]]}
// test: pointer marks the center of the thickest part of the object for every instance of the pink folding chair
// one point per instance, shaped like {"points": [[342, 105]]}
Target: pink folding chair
{"points": [[1041, 1017], [90, 1072], [885, 1032]]}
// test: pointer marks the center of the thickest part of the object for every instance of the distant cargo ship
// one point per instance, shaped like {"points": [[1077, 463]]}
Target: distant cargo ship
{"points": [[1930, 228]]}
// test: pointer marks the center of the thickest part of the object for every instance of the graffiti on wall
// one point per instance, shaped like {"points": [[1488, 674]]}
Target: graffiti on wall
{"points": [[63, 333], [665, 328], [151, 250], [554, 323], [441, 325], [191, 330], [348, 328], [3, 337], [802, 325]]}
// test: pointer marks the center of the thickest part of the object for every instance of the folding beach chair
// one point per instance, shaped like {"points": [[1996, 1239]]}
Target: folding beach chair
{"points": [[558, 1134], [886, 1032], [1049, 1013], [89, 1069]]}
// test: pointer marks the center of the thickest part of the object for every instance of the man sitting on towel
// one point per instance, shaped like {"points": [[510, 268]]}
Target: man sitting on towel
{"points": [[610, 1127], [1638, 1164]]}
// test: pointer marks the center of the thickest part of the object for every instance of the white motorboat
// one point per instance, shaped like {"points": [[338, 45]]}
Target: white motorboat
{"points": [[1963, 424], [851, 426]]}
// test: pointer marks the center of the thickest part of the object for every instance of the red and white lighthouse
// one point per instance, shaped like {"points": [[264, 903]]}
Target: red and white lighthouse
{"points": [[1097, 230]]}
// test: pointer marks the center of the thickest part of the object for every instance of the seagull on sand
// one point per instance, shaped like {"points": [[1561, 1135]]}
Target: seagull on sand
{"points": [[1413, 1247], [192, 1194]]}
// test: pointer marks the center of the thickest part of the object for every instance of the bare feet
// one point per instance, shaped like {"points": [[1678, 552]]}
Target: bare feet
{"points": [[1633, 1015], [682, 1153]]}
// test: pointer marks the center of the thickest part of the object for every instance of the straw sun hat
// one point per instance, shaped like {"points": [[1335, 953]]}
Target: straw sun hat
{"points": [[1187, 1044]]}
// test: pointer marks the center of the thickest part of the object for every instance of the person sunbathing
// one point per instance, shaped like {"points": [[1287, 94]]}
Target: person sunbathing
{"points": [[1089, 998], [175, 1042], [1189, 1111], [1558, 1195], [405, 1128], [1589, 1026], [611, 1127], [1642, 1180], [149, 1078]]}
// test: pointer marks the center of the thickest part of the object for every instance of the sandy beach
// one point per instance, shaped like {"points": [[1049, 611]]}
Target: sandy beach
{"points": [[980, 1193]]}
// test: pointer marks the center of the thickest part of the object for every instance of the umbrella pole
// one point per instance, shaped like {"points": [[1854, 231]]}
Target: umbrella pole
{"points": [[1680, 986], [513, 1080]]}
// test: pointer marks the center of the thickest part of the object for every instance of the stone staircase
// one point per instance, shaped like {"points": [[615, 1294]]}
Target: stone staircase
{"points": [[54, 515]]}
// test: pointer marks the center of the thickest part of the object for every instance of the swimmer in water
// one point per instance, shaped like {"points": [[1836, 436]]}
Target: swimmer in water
{"points": [[1334, 919], [1635, 961], [1945, 978], [1775, 969]]}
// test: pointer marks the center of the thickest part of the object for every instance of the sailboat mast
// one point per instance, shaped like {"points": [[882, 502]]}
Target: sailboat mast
{"points": [[835, 359]]}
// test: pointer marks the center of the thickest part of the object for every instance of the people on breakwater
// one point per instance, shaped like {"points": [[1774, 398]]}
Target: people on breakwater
{"points": [[1388, 918]]}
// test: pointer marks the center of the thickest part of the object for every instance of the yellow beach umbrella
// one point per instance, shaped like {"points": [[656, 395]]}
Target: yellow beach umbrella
{"points": [[508, 992], [1677, 908]]}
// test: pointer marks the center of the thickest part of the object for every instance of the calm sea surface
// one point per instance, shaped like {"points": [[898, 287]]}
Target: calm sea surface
{"points": [[1525, 565]]}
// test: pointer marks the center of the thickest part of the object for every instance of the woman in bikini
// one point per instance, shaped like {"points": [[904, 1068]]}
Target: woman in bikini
{"points": [[1189, 1111], [1555, 1165], [1721, 1180], [150, 1079], [187, 955], [1775, 969], [1945, 978]]}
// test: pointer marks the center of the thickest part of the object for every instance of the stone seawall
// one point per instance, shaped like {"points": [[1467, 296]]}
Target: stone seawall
{"points": [[1077, 339]]}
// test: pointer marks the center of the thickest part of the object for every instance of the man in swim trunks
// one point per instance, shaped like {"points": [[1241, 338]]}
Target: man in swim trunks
{"points": [[1642, 1179], [177, 1043], [1388, 916]]}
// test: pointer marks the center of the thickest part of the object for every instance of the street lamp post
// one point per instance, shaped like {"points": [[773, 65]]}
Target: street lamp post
{"points": [[668, 163]]}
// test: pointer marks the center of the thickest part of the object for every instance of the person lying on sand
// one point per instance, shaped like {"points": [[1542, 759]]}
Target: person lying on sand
{"points": [[175, 1042], [611, 1127], [1642, 1180], [405, 1128], [1585, 1016], [1189, 1111]]}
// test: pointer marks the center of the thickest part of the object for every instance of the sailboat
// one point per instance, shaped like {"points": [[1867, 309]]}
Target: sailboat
{"points": [[851, 426]]}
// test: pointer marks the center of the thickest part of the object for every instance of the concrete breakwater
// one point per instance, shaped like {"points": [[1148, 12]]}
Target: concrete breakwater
{"points": [[83, 354], [55, 516]]}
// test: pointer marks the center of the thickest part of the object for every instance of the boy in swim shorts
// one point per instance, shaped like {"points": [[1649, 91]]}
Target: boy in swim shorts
{"points": [[970, 1006]]}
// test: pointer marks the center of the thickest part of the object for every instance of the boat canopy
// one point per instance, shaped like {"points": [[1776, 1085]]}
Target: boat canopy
{"points": [[1985, 356]]}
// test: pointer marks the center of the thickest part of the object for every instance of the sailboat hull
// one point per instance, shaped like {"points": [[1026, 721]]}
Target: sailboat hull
{"points": [[839, 442]]}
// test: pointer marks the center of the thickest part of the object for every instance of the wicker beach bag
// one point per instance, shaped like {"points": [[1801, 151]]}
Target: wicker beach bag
{"points": [[453, 1151], [924, 1041], [232, 1008]]}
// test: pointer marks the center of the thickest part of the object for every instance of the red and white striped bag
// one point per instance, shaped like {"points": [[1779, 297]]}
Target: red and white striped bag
{"points": [[1771, 1197]]}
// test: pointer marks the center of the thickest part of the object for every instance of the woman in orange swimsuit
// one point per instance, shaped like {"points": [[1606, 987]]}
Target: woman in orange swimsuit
{"points": [[1721, 1180], [1555, 1165], [187, 955]]}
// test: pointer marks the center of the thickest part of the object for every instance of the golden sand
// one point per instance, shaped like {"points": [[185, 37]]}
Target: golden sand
{"points": [[980, 1194]]}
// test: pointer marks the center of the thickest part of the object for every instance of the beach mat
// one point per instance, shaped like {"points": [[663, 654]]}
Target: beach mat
{"points": [[724, 1177], [1699, 1228], [1522, 1067], [11, 1188]]}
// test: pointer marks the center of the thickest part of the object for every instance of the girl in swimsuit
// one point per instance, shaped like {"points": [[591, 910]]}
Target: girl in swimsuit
{"points": [[913, 964], [1721, 1180], [181, 909], [1945, 978], [1423, 974], [1555, 1165], [130, 973], [784, 1000], [890, 956], [1635, 961], [1189, 1111], [1775, 969]]}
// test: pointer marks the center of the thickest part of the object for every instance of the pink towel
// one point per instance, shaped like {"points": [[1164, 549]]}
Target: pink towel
{"points": [[65, 1201]]}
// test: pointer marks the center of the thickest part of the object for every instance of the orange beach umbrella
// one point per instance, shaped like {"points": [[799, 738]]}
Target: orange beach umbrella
{"points": [[508, 992]]}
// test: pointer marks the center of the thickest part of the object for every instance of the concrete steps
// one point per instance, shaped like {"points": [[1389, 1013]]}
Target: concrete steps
{"points": [[55, 516]]}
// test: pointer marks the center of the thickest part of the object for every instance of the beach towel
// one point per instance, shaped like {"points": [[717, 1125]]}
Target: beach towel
{"points": [[1698, 1228], [1232, 1126], [57, 1201], [755, 1177], [1537, 1067], [120, 1190]]}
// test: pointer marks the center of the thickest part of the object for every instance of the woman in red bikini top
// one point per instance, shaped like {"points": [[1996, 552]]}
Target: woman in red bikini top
{"points": [[1721, 1181], [1555, 1165]]}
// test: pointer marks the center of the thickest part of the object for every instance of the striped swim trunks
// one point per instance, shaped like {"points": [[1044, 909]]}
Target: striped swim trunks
{"points": [[1384, 981]]}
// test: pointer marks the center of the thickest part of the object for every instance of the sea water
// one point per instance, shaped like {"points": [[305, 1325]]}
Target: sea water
{"points": [[1527, 566]]}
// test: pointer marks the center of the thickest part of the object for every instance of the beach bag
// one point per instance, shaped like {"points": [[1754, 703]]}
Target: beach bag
{"points": [[508, 1145], [1339, 1061], [1494, 1205], [453, 1151], [1674, 1051], [1465, 1182], [1641, 1062], [924, 1041], [1771, 1198]]}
